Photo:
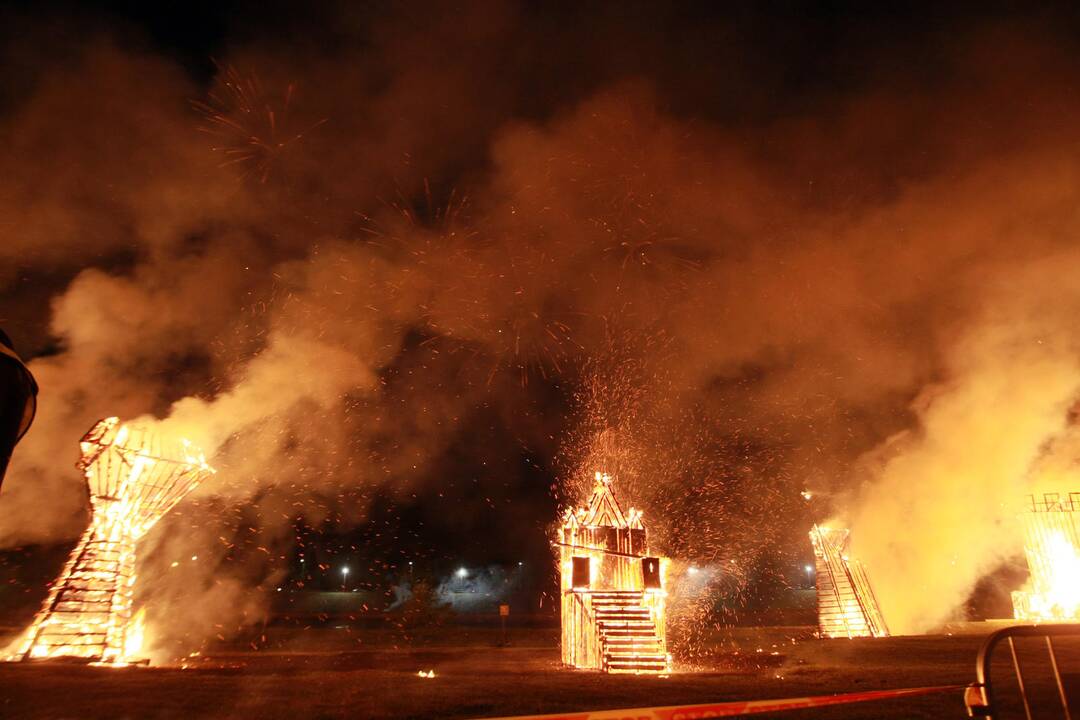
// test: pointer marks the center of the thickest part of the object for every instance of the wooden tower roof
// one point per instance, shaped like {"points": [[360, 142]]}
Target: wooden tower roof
{"points": [[603, 508]]}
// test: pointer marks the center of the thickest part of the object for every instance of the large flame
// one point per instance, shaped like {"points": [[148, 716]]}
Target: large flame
{"points": [[1062, 597], [136, 635], [1052, 545], [1059, 598]]}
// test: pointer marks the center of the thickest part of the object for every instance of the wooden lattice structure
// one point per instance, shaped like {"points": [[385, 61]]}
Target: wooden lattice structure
{"points": [[613, 592], [134, 477], [1051, 526], [847, 606]]}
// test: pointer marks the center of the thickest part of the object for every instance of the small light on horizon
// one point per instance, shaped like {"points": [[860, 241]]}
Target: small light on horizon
{"points": [[462, 572], [345, 570]]}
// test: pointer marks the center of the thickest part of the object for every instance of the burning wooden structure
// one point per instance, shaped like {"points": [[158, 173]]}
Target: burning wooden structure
{"points": [[1051, 526], [134, 477], [847, 606], [613, 592]]}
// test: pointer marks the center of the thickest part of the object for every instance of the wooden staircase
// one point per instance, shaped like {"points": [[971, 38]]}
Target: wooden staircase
{"points": [[629, 641]]}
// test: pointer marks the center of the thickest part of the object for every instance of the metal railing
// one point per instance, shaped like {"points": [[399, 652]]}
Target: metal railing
{"points": [[979, 697]]}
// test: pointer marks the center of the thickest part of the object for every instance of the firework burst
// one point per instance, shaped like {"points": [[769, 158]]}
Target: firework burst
{"points": [[534, 333], [497, 304], [509, 312], [252, 126]]}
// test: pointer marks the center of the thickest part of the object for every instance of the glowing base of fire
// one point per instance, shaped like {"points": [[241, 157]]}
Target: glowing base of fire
{"points": [[1036, 607], [87, 615]]}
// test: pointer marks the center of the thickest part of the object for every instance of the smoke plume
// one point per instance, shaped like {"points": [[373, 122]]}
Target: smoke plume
{"points": [[341, 267]]}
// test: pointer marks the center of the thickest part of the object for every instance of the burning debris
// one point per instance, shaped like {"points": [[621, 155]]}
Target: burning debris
{"points": [[613, 592], [1052, 545], [134, 477], [847, 606]]}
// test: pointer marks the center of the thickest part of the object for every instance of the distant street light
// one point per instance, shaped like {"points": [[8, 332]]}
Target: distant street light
{"points": [[462, 572], [345, 577]]}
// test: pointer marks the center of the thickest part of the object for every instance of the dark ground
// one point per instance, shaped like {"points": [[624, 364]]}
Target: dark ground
{"points": [[337, 671]]}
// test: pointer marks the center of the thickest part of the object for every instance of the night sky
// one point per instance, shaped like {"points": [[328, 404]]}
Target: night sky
{"points": [[412, 272]]}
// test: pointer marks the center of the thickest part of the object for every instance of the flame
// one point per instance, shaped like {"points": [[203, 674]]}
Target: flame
{"points": [[135, 635], [1056, 581], [1052, 544]]}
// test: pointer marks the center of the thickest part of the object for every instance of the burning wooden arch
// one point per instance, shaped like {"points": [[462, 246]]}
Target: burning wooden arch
{"points": [[134, 477], [613, 591]]}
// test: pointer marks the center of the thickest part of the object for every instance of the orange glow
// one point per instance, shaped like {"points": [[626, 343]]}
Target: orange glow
{"points": [[134, 477], [135, 635]]}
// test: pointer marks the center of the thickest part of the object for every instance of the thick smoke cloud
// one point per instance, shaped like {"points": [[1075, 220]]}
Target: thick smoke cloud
{"points": [[939, 513], [737, 293]]}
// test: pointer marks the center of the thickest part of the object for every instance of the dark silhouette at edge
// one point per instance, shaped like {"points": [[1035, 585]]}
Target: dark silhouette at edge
{"points": [[18, 401]]}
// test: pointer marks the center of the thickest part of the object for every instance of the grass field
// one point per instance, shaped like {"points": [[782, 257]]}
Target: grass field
{"points": [[342, 672]]}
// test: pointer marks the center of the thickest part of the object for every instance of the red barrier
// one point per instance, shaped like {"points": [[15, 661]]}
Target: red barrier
{"points": [[732, 709]]}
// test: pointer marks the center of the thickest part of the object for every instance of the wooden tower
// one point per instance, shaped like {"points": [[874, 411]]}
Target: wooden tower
{"points": [[134, 478], [612, 589], [847, 606]]}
